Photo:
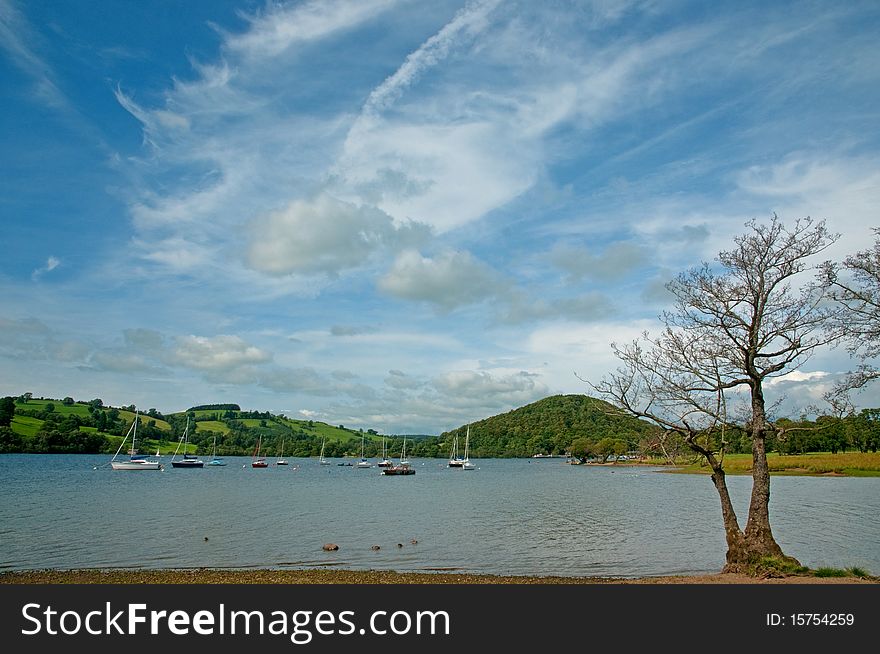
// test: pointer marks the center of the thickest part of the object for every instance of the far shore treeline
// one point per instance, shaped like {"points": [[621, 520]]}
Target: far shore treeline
{"points": [[579, 426]]}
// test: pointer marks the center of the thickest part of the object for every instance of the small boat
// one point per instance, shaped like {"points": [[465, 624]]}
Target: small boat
{"points": [[466, 464], [402, 468], [136, 461], [256, 460], [385, 462], [189, 460], [281, 460], [455, 461], [363, 463], [214, 460], [322, 460]]}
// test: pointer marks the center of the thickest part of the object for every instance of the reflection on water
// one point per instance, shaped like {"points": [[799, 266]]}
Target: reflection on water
{"points": [[508, 517]]}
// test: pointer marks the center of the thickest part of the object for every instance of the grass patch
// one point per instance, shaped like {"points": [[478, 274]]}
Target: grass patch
{"points": [[212, 425], [25, 425], [830, 572], [841, 572], [849, 464], [779, 566], [128, 416]]}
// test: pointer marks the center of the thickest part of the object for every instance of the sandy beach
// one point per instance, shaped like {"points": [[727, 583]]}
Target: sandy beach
{"points": [[320, 576]]}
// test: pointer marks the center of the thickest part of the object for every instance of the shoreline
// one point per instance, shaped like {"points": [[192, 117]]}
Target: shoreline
{"points": [[373, 577]]}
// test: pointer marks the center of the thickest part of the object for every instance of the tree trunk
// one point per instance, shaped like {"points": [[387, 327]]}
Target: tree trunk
{"points": [[758, 541], [732, 532]]}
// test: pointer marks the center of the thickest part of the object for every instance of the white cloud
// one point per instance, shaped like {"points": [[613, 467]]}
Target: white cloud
{"points": [[797, 377], [843, 189], [51, 264], [272, 32], [218, 353], [468, 21], [324, 235], [447, 281]]}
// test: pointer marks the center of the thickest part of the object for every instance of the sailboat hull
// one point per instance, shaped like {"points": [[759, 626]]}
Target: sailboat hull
{"points": [[136, 465], [188, 463], [399, 470]]}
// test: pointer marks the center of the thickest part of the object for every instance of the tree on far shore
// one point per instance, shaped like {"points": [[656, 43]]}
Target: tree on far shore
{"points": [[734, 326]]}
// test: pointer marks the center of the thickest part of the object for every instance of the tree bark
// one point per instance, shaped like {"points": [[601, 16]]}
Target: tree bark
{"points": [[732, 532], [758, 541]]}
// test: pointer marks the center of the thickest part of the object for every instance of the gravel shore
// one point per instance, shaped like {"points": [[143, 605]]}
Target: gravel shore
{"points": [[320, 576]]}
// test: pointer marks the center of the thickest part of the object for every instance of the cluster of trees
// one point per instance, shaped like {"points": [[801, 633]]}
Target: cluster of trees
{"points": [[550, 426]]}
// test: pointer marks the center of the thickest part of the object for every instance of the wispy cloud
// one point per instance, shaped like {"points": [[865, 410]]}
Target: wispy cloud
{"points": [[17, 39], [280, 27], [51, 264]]}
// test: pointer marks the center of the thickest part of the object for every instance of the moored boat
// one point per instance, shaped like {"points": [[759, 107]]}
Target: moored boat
{"points": [[189, 460], [256, 460], [136, 461]]}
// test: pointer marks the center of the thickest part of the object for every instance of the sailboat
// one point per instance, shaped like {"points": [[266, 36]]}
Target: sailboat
{"points": [[322, 460], [385, 462], [136, 462], [256, 460], [403, 460], [214, 460], [466, 464], [402, 468], [189, 460], [363, 463], [455, 461], [281, 460]]}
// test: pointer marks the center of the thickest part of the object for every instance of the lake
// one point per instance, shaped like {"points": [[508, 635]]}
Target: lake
{"points": [[510, 516]]}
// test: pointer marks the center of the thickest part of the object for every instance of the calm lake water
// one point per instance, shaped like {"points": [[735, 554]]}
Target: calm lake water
{"points": [[510, 516]]}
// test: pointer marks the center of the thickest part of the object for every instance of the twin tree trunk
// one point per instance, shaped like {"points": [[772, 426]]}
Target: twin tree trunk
{"points": [[746, 548]]}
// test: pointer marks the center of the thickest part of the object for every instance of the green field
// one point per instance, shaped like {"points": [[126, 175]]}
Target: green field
{"points": [[60, 409], [212, 425], [25, 425], [323, 430], [850, 464], [128, 416]]}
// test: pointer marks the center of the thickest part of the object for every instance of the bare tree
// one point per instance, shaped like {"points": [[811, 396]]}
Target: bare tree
{"points": [[733, 326], [855, 286]]}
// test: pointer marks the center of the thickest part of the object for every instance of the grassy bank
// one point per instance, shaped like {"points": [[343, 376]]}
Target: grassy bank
{"points": [[848, 464]]}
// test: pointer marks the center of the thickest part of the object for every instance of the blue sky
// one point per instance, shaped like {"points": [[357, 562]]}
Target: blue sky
{"points": [[397, 214]]}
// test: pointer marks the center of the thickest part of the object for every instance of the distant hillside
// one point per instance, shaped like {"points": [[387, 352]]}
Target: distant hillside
{"points": [[548, 426]]}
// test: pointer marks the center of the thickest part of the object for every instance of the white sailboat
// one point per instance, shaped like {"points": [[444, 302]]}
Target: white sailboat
{"points": [[455, 461], [136, 462], [322, 461], [385, 462], [466, 464], [403, 460], [363, 463], [281, 460]]}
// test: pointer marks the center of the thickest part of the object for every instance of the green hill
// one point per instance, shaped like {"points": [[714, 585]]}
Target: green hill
{"points": [[548, 426]]}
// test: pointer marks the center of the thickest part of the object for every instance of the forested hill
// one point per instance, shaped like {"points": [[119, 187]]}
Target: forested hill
{"points": [[549, 426]]}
